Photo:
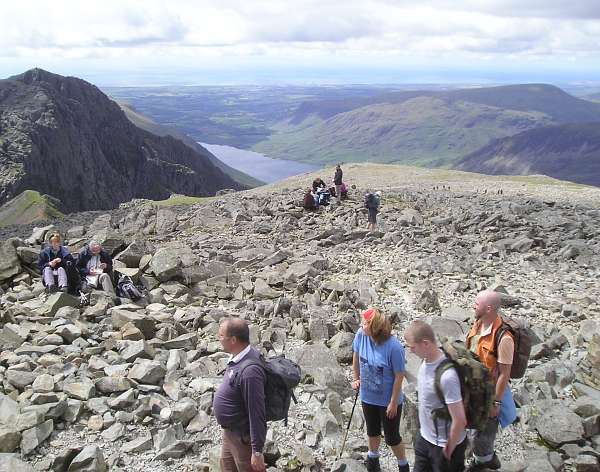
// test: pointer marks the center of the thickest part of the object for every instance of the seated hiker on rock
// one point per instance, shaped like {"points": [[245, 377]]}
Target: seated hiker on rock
{"points": [[344, 191], [378, 367], [52, 262], [309, 201], [318, 184], [95, 266]]}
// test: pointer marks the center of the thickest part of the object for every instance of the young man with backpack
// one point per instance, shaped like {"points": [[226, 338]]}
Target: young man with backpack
{"points": [[492, 340], [239, 402], [441, 444]]}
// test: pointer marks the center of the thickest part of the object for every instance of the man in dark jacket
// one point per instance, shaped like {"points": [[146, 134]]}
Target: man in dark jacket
{"points": [[95, 266], [337, 181], [239, 402], [53, 261]]}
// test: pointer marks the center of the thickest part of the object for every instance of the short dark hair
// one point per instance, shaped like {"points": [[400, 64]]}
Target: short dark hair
{"points": [[238, 328]]}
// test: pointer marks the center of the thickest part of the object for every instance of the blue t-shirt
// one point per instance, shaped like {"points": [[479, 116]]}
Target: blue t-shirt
{"points": [[378, 365]]}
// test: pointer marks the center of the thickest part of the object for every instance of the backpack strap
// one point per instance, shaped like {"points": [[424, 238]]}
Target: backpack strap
{"points": [[441, 413], [242, 366], [502, 330]]}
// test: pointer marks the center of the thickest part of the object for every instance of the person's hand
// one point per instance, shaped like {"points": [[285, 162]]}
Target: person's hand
{"points": [[103, 265], [391, 410], [447, 452], [257, 462], [355, 384], [494, 411]]}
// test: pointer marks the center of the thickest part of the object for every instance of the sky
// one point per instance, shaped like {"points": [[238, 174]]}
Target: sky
{"points": [[157, 42]]}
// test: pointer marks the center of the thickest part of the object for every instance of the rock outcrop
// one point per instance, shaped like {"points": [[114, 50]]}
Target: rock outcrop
{"points": [[63, 137]]}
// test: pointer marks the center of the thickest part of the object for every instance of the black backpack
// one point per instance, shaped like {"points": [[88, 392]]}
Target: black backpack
{"points": [[371, 201], [282, 376], [126, 288]]}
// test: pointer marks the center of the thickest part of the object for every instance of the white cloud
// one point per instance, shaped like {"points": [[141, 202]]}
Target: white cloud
{"points": [[152, 31]]}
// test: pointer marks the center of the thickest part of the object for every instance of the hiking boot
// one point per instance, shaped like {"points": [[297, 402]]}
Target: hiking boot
{"points": [[473, 465], [403, 468], [372, 464]]}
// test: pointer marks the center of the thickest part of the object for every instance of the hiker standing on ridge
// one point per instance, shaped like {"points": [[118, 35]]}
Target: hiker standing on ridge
{"points": [[497, 357], [239, 407], [378, 362], [372, 201], [337, 181], [440, 445]]}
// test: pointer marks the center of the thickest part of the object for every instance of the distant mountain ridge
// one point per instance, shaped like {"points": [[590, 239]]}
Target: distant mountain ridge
{"points": [[429, 128], [568, 152], [63, 137]]}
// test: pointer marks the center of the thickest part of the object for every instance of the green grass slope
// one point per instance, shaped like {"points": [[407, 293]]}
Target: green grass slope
{"points": [[423, 130], [28, 207]]}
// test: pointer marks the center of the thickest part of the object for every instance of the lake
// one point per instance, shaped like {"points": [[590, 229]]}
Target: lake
{"points": [[258, 165]]}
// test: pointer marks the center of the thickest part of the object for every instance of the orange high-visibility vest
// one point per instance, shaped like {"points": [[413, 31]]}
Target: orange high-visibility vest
{"points": [[486, 344]]}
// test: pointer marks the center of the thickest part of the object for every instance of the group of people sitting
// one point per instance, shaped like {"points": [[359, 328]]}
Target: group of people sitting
{"points": [[91, 269], [320, 194]]}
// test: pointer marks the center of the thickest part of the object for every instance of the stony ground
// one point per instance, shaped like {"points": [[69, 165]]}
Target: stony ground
{"points": [[134, 382]]}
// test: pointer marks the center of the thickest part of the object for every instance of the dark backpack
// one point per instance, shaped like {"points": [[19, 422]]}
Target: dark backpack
{"points": [[477, 389], [371, 201], [126, 288], [523, 339], [282, 376]]}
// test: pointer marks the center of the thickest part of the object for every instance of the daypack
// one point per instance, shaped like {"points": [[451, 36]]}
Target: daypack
{"points": [[477, 389], [371, 200], [282, 376], [522, 337], [126, 288]]}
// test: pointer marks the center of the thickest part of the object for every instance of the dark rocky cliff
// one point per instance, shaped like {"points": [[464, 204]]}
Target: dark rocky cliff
{"points": [[63, 137]]}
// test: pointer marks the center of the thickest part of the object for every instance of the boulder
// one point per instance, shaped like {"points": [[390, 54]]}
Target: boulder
{"points": [[9, 259], [90, 459]]}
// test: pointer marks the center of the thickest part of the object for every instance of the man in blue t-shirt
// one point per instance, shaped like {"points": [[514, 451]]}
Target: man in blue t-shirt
{"points": [[378, 362]]}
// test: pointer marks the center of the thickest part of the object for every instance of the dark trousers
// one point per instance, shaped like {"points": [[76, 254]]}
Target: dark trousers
{"points": [[429, 457], [375, 418], [236, 452]]}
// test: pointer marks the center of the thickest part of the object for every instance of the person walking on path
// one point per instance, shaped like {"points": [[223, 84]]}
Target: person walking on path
{"points": [[378, 366], [239, 402], [440, 445], [481, 340], [337, 181]]}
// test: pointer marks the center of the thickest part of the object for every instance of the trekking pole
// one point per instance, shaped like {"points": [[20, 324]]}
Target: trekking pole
{"points": [[349, 421]]}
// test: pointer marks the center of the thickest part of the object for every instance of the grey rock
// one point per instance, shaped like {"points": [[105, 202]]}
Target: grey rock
{"points": [[9, 439], [80, 390], [147, 372], [32, 438], [12, 463], [556, 424], [141, 444], [174, 451], [90, 459], [9, 259]]}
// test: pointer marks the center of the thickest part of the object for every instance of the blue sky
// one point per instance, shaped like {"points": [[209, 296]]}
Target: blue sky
{"points": [[152, 42]]}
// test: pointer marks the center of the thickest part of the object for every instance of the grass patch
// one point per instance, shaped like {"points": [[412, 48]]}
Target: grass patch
{"points": [[178, 200], [28, 207]]}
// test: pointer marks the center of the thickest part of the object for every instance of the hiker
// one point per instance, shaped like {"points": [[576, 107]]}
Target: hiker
{"points": [[240, 407], [337, 181], [309, 201], [318, 184], [372, 201], [481, 340], [95, 266], [53, 261], [441, 443], [378, 362]]}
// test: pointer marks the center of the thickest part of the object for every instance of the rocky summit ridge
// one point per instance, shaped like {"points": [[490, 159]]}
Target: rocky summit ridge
{"points": [[129, 387], [63, 137]]}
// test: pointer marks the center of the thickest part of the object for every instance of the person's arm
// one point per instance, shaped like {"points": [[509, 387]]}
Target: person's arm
{"points": [[458, 425], [503, 378], [43, 260], [253, 392], [392, 407]]}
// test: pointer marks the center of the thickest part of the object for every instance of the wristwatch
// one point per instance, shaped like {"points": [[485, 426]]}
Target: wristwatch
{"points": [[257, 454]]}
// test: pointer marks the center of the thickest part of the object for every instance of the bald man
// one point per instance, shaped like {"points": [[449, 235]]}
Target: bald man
{"points": [[481, 340]]}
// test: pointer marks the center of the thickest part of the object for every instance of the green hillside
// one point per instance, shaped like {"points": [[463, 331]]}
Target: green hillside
{"points": [[423, 130], [28, 207]]}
